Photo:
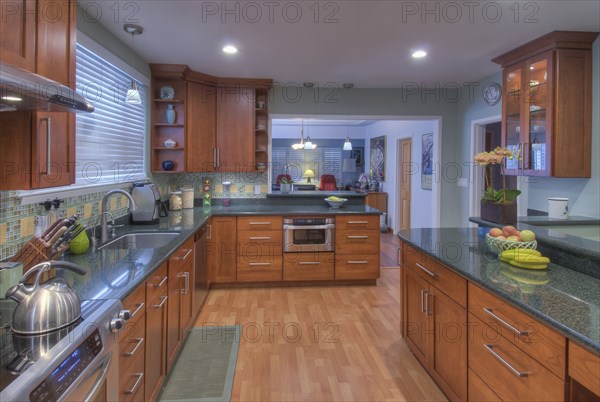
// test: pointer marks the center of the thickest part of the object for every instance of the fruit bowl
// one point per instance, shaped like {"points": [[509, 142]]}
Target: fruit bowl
{"points": [[336, 203], [500, 245]]}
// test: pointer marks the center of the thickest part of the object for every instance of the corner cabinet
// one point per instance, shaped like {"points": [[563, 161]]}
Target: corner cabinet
{"points": [[547, 105]]}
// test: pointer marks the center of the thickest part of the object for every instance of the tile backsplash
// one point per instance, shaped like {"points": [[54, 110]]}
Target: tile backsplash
{"points": [[17, 221]]}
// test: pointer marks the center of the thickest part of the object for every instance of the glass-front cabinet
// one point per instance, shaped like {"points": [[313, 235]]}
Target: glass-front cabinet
{"points": [[546, 105]]}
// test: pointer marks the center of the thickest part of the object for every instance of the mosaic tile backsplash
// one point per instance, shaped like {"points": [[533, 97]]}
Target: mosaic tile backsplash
{"points": [[17, 221]]}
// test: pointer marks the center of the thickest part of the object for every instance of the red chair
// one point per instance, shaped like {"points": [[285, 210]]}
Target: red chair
{"points": [[327, 182], [281, 176]]}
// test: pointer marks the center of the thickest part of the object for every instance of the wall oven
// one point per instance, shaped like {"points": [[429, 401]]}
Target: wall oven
{"points": [[305, 234]]}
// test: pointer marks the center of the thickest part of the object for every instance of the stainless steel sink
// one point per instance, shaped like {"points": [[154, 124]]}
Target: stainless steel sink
{"points": [[140, 240]]}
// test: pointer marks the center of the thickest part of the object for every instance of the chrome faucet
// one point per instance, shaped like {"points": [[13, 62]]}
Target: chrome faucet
{"points": [[103, 212]]}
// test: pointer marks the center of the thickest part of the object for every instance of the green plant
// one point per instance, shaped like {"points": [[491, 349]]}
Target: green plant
{"points": [[285, 180], [497, 156]]}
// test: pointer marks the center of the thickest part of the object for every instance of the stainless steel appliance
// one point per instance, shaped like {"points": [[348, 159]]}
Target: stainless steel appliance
{"points": [[201, 268], [148, 206], [308, 234]]}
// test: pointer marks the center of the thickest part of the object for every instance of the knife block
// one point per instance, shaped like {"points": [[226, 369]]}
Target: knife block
{"points": [[34, 252]]}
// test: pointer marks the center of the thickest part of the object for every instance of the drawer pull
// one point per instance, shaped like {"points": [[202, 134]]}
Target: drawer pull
{"points": [[423, 292], [358, 237], [507, 325], [358, 222], [186, 289], [260, 223], [260, 238], [309, 263], [428, 272], [518, 373], [139, 342], [162, 282], [427, 312], [259, 264], [136, 385], [164, 299], [358, 262], [185, 256], [137, 310]]}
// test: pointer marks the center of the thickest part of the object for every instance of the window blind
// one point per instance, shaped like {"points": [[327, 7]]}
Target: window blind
{"points": [[110, 141]]}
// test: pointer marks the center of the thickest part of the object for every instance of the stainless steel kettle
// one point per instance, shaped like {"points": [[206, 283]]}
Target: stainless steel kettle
{"points": [[45, 307]]}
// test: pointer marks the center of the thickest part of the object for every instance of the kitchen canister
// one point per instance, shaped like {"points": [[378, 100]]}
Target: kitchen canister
{"points": [[175, 202], [558, 208], [187, 197]]}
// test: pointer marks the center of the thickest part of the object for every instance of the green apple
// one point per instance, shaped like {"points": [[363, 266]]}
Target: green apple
{"points": [[527, 235]]}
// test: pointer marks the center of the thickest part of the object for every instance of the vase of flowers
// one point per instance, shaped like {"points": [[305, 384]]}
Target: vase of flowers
{"points": [[498, 206], [286, 185]]}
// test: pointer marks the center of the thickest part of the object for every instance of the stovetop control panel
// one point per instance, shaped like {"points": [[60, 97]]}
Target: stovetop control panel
{"points": [[67, 372]]}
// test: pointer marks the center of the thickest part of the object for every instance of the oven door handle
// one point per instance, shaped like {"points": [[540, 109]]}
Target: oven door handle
{"points": [[313, 227], [104, 365]]}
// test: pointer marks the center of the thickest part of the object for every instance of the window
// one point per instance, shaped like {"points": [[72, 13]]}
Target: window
{"points": [[110, 141], [322, 160]]}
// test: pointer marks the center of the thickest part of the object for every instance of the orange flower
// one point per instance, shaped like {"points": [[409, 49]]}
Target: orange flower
{"points": [[502, 151], [482, 158]]}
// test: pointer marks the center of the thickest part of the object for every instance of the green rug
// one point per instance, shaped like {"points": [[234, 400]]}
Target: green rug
{"points": [[205, 367]]}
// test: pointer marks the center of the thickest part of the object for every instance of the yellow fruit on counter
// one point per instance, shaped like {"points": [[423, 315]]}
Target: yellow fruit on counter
{"points": [[510, 254], [533, 259], [334, 198], [528, 265]]}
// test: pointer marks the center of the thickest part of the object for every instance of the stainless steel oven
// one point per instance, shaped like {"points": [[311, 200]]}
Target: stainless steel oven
{"points": [[304, 234]]}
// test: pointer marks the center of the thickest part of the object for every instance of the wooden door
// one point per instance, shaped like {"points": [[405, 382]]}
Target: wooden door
{"points": [[156, 339], [405, 184], [416, 319], [221, 249], [17, 33], [448, 359], [235, 129], [174, 318], [201, 128]]}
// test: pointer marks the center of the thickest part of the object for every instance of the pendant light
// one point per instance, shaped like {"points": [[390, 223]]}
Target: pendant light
{"points": [[347, 144], [308, 144], [301, 144], [133, 94]]}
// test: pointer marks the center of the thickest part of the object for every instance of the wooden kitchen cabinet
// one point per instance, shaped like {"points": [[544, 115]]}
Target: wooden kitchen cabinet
{"points": [[17, 33], [157, 301], [132, 348], [259, 256], [547, 105], [584, 372], [201, 127], [377, 201], [221, 249], [357, 247]]}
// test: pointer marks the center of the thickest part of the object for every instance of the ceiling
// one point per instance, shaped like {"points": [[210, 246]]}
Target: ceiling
{"points": [[297, 122], [368, 43]]}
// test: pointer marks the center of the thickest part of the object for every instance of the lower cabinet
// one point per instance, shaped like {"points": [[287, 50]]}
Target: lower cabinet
{"points": [[314, 266], [357, 247], [584, 371], [221, 249], [132, 347]]}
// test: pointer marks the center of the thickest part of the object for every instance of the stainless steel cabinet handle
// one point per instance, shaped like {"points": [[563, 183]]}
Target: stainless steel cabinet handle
{"points": [[162, 303], [258, 264], [136, 385], [428, 272], [260, 223], [209, 232], [139, 342], [309, 263], [516, 372], [48, 121], [357, 237], [218, 157], [507, 325], [186, 289], [398, 255], [423, 300], [214, 157], [162, 282], [260, 238], [427, 311], [358, 222], [312, 227], [358, 262], [137, 310], [186, 255]]}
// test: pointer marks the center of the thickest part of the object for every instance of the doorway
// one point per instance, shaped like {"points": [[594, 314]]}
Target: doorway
{"points": [[405, 179]]}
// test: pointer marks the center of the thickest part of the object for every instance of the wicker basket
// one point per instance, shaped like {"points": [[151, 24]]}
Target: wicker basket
{"points": [[499, 245]]}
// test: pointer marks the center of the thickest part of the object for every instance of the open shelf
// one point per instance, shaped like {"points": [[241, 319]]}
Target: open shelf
{"points": [[168, 101], [168, 148]]}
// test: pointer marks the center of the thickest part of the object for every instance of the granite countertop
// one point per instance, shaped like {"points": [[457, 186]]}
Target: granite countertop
{"points": [[317, 194], [115, 273], [564, 299]]}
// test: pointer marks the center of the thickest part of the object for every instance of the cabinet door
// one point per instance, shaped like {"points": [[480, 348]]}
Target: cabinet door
{"points": [[201, 130], [156, 339], [17, 33], [512, 119], [174, 318], [221, 249], [235, 129], [53, 149], [187, 274], [448, 364], [417, 324]]}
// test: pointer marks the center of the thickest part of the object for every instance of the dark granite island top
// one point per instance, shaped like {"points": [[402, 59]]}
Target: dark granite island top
{"points": [[566, 300]]}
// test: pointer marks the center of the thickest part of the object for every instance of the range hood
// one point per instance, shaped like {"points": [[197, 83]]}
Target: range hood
{"points": [[23, 90]]}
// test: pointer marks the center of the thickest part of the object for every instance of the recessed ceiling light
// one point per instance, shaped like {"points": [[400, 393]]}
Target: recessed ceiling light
{"points": [[419, 54], [229, 49], [532, 68], [348, 85], [12, 98]]}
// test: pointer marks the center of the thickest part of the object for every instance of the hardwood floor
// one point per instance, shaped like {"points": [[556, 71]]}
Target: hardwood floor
{"points": [[321, 343], [388, 254]]}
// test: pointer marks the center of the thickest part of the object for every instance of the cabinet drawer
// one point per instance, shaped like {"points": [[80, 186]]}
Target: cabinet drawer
{"points": [[132, 343], [435, 273], [479, 391], [360, 241], [136, 303], [308, 266], [156, 284], [260, 223], [181, 256], [509, 371], [259, 269], [357, 266], [584, 367], [542, 343], [132, 381], [259, 243], [352, 222]]}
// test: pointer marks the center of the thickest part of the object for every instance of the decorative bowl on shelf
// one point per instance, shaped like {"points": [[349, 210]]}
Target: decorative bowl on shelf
{"points": [[168, 165], [336, 203], [170, 143], [500, 245], [167, 92]]}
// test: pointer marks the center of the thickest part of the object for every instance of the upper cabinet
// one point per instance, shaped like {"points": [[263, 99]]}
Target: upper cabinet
{"points": [[17, 33], [220, 125], [547, 105]]}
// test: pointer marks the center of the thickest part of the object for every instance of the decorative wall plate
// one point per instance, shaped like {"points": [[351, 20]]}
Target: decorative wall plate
{"points": [[492, 93], [167, 92]]}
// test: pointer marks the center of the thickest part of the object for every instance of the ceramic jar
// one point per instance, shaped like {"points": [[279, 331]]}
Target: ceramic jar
{"points": [[175, 202], [187, 197], [170, 114]]}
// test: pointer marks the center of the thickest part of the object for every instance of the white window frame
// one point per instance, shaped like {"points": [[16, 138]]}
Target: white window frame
{"points": [[28, 197]]}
